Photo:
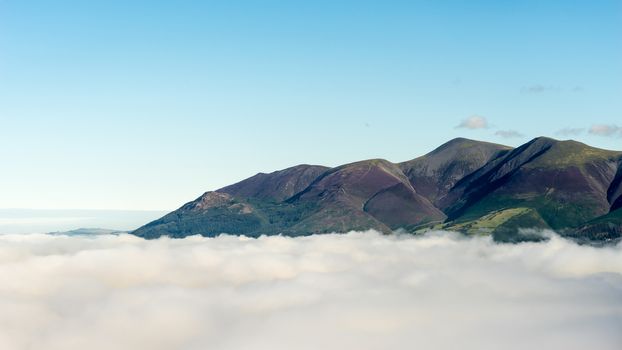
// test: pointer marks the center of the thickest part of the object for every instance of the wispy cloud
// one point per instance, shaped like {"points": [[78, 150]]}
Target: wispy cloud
{"points": [[570, 131], [353, 291], [605, 130], [473, 122], [508, 134], [577, 89], [538, 89]]}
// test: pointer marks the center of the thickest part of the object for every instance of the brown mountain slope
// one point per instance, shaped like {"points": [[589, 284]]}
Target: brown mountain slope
{"points": [[372, 191], [276, 186]]}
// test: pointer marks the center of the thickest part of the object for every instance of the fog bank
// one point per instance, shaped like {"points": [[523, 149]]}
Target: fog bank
{"points": [[353, 291]]}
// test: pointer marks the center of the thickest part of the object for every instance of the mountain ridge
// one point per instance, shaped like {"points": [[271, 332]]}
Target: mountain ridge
{"points": [[466, 185]]}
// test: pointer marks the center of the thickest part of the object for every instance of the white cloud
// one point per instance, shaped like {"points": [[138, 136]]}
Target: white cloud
{"points": [[509, 134], [577, 88], [605, 130], [473, 122], [354, 291]]}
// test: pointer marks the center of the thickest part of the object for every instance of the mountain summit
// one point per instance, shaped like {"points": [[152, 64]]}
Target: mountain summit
{"points": [[464, 185]]}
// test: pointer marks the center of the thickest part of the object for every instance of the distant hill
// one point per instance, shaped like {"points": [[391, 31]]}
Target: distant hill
{"points": [[464, 185], [87, 232]]}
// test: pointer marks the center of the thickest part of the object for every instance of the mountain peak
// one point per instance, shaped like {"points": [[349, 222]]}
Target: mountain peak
{"points": [[462, 142], [545, 139], [435, 173]]}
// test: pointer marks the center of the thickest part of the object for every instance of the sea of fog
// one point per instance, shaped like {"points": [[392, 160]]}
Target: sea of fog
{"points": [[352, 291]]}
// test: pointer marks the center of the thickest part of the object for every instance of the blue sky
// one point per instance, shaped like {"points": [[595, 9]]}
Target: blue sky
{"points": [[146, 104]]}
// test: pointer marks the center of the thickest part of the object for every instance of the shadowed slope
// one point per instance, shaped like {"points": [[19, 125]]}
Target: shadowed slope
{"points": [[614, 193]]}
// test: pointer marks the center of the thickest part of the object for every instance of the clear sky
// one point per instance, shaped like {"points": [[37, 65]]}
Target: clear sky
{"points": [[122, 104]]}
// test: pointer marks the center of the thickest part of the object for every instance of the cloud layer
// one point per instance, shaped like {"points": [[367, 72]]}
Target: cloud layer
{"points": [[354, 291]]}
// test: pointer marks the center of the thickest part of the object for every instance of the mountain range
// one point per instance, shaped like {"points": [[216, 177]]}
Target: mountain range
{"points": [[474, 187]]}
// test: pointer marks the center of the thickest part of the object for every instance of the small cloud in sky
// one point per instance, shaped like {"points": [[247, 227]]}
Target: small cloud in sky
{"points": [[508, 134], [605, 130], [570, 131], [537, 89], [577, 89], [473, 122]]}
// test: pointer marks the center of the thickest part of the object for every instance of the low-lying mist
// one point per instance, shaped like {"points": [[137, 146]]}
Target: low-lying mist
{"points": [[352, 291]]}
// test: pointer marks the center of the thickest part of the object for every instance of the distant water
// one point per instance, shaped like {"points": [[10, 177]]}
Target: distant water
{"points": [[43, 221]]}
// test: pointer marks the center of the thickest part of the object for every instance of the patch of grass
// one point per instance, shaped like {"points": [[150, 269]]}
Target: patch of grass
{"points": [[486, 224], [518, 228]]}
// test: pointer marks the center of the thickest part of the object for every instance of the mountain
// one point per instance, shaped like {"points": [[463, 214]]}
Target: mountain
{"points": [[464, 185]]}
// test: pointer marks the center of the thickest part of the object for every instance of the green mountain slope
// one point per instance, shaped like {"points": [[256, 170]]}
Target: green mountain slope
{"points": [[604, 228]]}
